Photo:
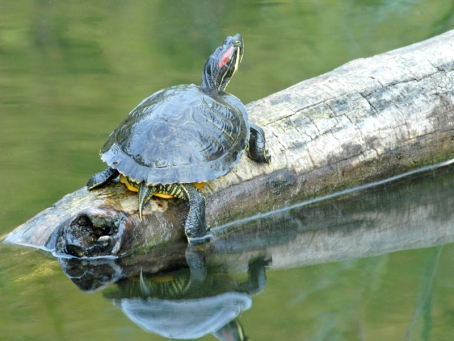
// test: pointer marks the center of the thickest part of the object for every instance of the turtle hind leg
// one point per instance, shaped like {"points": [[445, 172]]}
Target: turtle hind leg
{"points": [[256, 147], [195, 228], [102, 178], [145, 194]]}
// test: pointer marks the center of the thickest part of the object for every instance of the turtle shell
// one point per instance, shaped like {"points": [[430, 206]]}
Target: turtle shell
{"points": [[180, 134]]}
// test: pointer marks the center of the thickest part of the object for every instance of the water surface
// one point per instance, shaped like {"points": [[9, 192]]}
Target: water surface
{"points": [[70, 71]]}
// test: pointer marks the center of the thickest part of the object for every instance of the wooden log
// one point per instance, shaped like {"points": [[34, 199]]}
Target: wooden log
{"points": [[388, 217], [367, 120]]}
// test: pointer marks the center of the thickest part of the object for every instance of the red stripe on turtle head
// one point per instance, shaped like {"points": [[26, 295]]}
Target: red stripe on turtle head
{"points": [[226, 57]]}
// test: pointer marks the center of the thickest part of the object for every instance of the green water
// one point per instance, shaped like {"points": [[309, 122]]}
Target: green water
{"points": [[71, 70]]}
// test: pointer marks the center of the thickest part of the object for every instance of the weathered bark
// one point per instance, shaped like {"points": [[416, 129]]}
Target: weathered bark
{"points": [[382, 219], [367, 120]]}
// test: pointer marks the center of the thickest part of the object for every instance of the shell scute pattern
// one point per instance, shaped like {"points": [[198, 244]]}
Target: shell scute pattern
{"points": [[180, 134]]}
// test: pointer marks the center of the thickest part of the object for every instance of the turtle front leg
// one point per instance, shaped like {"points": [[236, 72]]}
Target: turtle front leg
{"points": [[256, 147], [102, 178], [195, 228], [145, 194]]}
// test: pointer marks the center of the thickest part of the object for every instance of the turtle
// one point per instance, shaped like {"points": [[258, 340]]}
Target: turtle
{"points": [[180, 137]]}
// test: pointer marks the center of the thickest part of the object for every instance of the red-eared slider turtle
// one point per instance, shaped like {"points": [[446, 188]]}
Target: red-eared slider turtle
{"points": [[180, 137]]}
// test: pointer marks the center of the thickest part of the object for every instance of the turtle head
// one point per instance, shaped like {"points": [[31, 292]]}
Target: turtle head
{"points": [[223, 63]]}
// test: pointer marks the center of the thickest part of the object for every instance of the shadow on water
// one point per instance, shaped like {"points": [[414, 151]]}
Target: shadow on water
{"points": [[411, 213]]}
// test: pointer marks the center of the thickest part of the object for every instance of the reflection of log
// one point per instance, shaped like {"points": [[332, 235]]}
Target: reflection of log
{"points": [[367, 120], [414, 212]]}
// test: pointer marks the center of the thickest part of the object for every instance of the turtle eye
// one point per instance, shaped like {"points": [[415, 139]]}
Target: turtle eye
{"points": [[236, 43]]}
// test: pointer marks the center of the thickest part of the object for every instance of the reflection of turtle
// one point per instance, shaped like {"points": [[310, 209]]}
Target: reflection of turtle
{"points": [[187, 319], [171, 306], [180, 137]]}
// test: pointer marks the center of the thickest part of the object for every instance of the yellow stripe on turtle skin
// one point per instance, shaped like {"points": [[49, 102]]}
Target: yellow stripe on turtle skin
{"points": [[131, 186], [237, 63], [163, 278]]}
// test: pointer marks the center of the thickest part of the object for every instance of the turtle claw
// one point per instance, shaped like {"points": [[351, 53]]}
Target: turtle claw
{"points": [[145, 194]]}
